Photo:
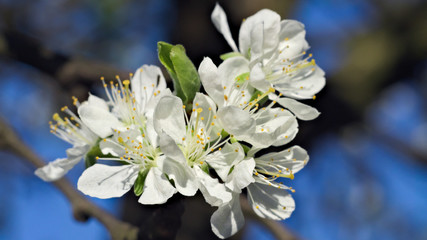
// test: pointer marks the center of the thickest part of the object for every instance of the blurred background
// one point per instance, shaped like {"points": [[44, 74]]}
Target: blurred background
{"points": [[367, 175]]}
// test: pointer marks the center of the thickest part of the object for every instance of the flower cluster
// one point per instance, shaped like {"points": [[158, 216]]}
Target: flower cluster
{"points": [[160, 142]]}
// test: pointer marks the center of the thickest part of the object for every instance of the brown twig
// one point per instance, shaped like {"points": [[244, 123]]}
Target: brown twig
{"points": [[73, 74], [82, 208]]}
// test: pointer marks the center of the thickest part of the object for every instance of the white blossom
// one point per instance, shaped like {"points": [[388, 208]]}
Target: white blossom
{"points": [[129, 102], [72, 130], [140, 152], [239, 112], [267, 197], [187, 144], [276, 51]]}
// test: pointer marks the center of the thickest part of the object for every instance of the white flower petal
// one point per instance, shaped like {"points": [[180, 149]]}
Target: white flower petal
{"points": [[292, 38], [219, 19], [151, 133], [56, 169], [208, 107], [103, 181], [257, 79], [294, 158], [182, 175], [99, 120], [205, 103], [223, 160], [311, 82], [274, 126], [97, 102], [301, 111], [77, 151], [241, 176], [157, 188], [169, 118], [259, 33], [228, 219], [215, 193], [230, 69], [270, 202], [211, 81], [152, 104], [111, 147], [146, 80], [236, 121], [171, 149]]}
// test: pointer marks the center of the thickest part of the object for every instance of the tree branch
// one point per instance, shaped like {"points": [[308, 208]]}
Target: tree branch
{"points": [[82, 208], [71, 73]]}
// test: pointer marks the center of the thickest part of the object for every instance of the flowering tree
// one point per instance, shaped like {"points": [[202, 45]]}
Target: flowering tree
{"points": [[160, 142]]}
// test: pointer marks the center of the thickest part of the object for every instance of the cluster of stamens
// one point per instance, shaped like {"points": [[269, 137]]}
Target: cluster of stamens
{"points": [[71, 129], [279, 69], [137, 152], [123, 101], [199, 140]]}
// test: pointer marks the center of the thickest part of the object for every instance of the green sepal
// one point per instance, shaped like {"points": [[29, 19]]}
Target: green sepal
{"points": [[170, 180], [255, 95], [138, 187], [95, 151], [245, 148], [231, 170], [184, 74], [224, 134], [205, 167], [242, 78], [229, 55], [233, 140]]}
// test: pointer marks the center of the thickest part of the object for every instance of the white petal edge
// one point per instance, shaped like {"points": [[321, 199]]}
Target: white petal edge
{"points": [[99, 120], [228, 219], [211, 81], [219, 19], [56, 169], [103, 181], [241, 176], [169, 118], [214, 192], [301, 110], [157, 188], [182, 175], [270, 202]]}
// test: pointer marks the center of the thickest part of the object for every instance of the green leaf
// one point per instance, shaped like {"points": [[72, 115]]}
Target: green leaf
{"points": [[188, 81], [242, 78], [138, 187], [184, 74], [164, 50], [229, 55], [95, 151]]}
